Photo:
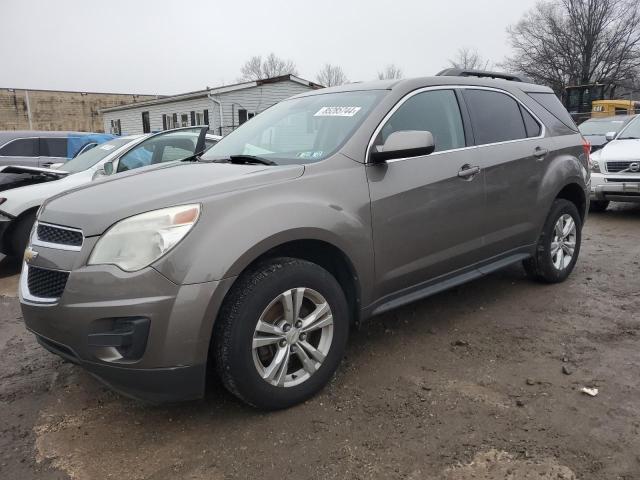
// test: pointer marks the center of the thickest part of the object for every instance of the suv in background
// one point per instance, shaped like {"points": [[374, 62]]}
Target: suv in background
{"points": [[615, 170], [43, 149], [328, 208]]}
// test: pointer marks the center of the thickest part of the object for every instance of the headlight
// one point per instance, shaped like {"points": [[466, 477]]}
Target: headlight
{"points": [[595, 166], [138, 241]]}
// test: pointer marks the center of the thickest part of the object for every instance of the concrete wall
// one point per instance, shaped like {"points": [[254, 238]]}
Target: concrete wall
{"points": [[58, 110], [253, 99]]}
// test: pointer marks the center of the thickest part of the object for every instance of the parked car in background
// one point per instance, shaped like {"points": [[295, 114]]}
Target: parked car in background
{"points": [[42, 149], [615, 169], [30, 186], [324, 210], [599, 131]]}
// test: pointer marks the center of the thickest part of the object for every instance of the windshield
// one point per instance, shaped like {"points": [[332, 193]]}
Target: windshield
{"points": [[600, 127], [89, 158], [632, 131], [300, 130]]}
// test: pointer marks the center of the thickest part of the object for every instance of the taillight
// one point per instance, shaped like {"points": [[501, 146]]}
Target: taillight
{"points": [[586, 146]]}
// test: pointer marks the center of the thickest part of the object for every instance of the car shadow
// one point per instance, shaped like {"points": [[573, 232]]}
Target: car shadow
{"points": [[9, 266]]}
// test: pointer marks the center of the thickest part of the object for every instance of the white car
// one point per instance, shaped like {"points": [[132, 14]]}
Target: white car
{"points": [[24, 189], [615, 169]]}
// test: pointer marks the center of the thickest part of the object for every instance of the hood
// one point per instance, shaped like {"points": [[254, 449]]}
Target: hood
{"points": [[97, 206], [18, 176], [596, 141], [621, 150]]}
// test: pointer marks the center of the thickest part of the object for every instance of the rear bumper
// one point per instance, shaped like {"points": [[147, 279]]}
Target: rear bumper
{"points": [[615, 188]]}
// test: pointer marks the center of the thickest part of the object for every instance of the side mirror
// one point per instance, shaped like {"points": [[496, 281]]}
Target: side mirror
{"points": [[404, 144], [610, 136], [108, 168]]}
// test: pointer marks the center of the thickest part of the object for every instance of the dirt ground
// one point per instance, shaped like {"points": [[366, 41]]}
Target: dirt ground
{"points": [[466, 384]]}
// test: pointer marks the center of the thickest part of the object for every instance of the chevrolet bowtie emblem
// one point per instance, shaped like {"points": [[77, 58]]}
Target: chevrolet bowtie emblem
{"points": [[30, 254]]}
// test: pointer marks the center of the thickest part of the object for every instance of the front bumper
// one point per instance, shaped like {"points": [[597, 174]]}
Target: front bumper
{"points": [[90, 324], [615, 188]]}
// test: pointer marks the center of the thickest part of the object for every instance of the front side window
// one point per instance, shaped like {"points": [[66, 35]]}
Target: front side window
{"points": [[495, 116], [436, 111], [21, 147], [299, 130], [161, 148]]}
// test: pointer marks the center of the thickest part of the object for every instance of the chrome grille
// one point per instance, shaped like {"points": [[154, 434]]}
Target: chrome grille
{"points": [[44, 283], [619, 166], [59, 235]]}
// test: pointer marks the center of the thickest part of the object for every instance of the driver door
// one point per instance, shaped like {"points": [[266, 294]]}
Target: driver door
{"points": [[427, 211]]}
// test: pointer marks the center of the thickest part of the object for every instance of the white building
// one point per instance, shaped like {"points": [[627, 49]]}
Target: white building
{"points": [[223, 108]]}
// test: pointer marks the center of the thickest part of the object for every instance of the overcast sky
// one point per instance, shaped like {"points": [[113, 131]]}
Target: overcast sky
{"points": [[167, 47]]}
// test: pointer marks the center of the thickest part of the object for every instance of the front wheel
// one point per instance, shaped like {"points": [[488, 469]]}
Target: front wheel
{"points": [[281, 333], [558, 245]]}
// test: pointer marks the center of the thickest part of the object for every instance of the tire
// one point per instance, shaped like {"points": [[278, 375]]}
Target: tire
{"points": [[543, 265], [598, 205], [260, 294], [20, 234]]}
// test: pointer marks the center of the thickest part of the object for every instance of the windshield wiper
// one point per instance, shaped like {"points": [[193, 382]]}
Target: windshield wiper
{"points": [[192, 158], [250, 159], [628, 138]]}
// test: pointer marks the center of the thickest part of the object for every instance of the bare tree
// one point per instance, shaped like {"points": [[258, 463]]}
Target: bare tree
{"points": [[257, 68], [469, 59], [331, 75], [574, 42], [390, 72]]}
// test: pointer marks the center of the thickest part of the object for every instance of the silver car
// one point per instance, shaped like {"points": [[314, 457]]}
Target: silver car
{"points": [[42, 149], [615, 169]]}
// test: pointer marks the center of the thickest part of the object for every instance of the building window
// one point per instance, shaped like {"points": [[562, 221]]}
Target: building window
{"points": [[174, 120], [115, 127], [184, 120], [200, 118], [146, 124]]}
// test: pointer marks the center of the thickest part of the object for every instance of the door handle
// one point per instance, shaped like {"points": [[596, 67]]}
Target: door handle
{"points": [[468, 172], [540, 153]]}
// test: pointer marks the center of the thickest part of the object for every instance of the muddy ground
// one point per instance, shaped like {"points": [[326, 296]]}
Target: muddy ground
{"points": [[466, 384]]}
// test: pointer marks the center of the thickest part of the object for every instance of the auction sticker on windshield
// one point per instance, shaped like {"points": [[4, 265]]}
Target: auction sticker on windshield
{"points": [[337, 111]]}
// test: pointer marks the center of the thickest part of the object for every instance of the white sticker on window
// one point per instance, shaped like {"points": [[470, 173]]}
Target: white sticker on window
{"points": [[106, 146], [337, 111]]}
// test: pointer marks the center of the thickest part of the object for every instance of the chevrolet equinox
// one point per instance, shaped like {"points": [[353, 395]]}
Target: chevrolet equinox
{"points": [[255, 259]]}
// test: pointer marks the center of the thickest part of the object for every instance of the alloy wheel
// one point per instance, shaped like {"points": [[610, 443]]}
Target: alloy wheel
{"points": [[292, 337], [563, 244]]}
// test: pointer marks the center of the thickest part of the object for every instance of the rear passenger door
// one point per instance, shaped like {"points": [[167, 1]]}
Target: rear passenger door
{"points": [[512, 152], [427, 211], [52, 150]]}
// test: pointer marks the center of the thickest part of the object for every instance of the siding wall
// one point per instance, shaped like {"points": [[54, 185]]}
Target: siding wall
{"points": [[253, 99], [59, 110]]}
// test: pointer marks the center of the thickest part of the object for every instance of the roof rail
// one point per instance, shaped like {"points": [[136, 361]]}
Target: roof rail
{"points": [[461, 72]]}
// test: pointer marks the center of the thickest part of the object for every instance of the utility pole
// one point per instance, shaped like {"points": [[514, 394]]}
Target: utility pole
{"points": [[26, 99]]}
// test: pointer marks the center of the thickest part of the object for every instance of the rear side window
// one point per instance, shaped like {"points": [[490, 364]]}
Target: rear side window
{"points": [[21, 147], [53, 147], [552, 105], [495, 116], [436, 111], [531, 124]]}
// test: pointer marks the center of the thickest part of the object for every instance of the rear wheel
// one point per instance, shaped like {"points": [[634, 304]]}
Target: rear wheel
{"points": [[598, 205], [558, 245], [281, 333], [20, 234]]}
